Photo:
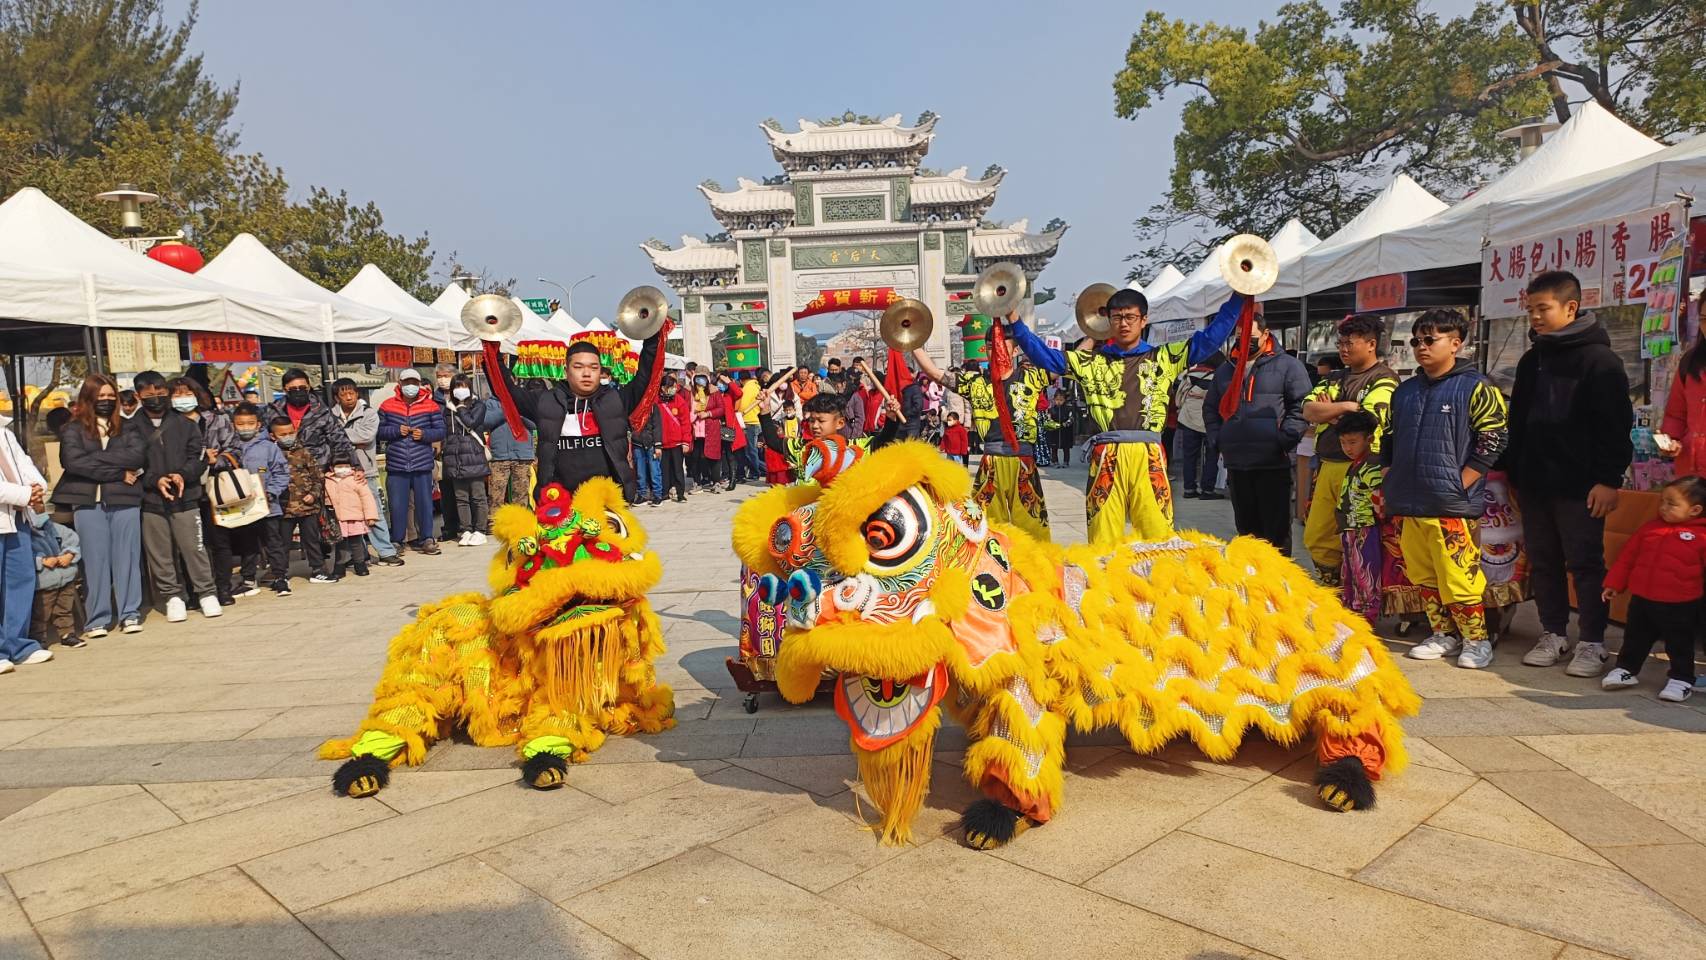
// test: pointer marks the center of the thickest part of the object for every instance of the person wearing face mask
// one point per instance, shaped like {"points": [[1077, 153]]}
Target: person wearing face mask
{"points": [[258, 454], [128, 404], [316, 427], [410, 422], [361, 429], [355, 511], [171, 501], [675, 416], [465, 462], [583, 426], [103, 456], [443, 375], [219, 441]]}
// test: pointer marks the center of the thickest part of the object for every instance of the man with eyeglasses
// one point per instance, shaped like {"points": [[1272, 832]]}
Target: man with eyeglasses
{"points": [[1448, 425], [1366, 384], [1127, 382]]}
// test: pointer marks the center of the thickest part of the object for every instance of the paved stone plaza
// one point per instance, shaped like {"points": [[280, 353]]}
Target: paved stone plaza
{"points": [[159, 797]]}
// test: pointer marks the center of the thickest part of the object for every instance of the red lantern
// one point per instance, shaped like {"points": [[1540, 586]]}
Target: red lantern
{"points": [[175, 254]]}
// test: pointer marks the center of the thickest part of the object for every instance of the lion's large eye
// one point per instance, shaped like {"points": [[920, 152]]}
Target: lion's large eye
{"points": [[899, 533], [614, 524]]}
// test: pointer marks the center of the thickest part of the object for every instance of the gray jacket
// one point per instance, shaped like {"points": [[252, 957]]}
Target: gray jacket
{"points": [[361, 426], [50, 539]]}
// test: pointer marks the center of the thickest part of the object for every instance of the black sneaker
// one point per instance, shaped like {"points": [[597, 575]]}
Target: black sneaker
{"points": [[227, 600], [1190, 494], [281, 588], [361, 569], [1211, 495], [391, 561], [73, 642]]}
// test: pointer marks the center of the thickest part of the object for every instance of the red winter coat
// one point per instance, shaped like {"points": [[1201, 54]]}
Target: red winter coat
{"points": [[718, 413], [1685, 422], [677, 416], [1663, 561], [956, 441]]}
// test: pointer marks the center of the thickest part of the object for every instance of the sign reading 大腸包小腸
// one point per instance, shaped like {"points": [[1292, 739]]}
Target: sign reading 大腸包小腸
{"points": [[1614, 259]]}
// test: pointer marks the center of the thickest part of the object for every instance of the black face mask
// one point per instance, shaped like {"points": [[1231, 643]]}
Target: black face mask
{"points": [[155, 405], [105, 408], [297, 396]]}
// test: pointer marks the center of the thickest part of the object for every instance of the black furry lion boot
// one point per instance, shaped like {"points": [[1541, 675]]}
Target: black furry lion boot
{"points": [[1344, 785], [987, 825], [361, 777], [545, 771]]}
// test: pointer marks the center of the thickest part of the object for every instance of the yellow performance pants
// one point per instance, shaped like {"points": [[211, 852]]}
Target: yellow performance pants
{"points": [[1128, 486], [1321, 530], [1440, 553], [1011, 491]]}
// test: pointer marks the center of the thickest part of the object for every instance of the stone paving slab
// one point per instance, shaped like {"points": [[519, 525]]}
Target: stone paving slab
{"points": [[160, 796]]}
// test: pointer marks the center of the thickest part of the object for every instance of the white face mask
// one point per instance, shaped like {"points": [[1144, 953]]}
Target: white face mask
{"points": [[183, 404], [340, 471], [461, 393], [411, 390]]}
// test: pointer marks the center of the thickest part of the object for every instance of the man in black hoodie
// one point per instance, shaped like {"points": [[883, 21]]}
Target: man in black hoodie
{"points": [[1569, 446]]}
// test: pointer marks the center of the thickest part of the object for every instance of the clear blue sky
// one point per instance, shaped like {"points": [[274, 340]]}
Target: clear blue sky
{"points": [[550, 139]]}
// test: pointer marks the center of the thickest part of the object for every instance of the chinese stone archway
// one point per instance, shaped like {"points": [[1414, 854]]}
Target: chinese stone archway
{"points": [[851, 224]]}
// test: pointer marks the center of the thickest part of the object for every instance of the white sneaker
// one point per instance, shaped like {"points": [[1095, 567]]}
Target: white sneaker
{"points": [[175, 612], [210, 607], [466, 540], [1618, 679], [1476, 654], [478, 540], [1589, 660], [131, 626], [1435, 647], [247, 589], [94, 633], [1675, 691], [6, 666], [1548, 650], [40, 656]]}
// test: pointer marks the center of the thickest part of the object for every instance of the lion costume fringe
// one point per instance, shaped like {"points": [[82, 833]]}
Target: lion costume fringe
{"points": [[895, 580], [558, 657]]}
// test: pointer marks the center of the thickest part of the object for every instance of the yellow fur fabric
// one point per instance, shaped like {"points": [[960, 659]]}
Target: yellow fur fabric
{"points": [[567, 655], [1191, 637]]}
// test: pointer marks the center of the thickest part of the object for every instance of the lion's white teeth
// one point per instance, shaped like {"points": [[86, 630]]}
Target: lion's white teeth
{"points": [[925, 609]]}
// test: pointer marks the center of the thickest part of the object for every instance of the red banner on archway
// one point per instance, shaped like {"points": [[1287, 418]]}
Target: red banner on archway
{"points": [[853, 298]]}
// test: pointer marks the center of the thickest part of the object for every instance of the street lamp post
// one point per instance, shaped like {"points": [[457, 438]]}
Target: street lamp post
{"points": [[568, 291]]}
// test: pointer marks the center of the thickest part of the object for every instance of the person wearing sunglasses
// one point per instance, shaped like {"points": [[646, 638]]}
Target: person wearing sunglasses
{"points": [[1127, 383], [1362, 383], [1448, 425]]}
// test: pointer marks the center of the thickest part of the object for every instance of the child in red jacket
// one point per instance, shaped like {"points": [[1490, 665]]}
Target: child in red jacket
{"points": [[1663, 566], [956, 442]]}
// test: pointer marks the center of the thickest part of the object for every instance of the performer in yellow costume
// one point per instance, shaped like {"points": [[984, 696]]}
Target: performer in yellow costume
{"points": [[902, 585], [1365, 384], [1008, 486], [559, 656], [1126, 383]]}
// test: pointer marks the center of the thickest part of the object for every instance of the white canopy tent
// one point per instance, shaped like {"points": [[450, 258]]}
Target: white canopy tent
{"points": [[246, 262], [370, 286], [1163, 281], [1402, 203], [42, 244], [568, 325], [1637, 184], [1204, 290], [1591, 142]]}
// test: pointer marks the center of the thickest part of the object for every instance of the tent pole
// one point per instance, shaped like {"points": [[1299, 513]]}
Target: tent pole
{"points": [[325, 376], [1303, 327]]}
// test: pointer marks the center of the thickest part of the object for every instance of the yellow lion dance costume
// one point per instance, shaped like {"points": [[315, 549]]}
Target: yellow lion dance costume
{"points": [[559, 656], [896, 581]]}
